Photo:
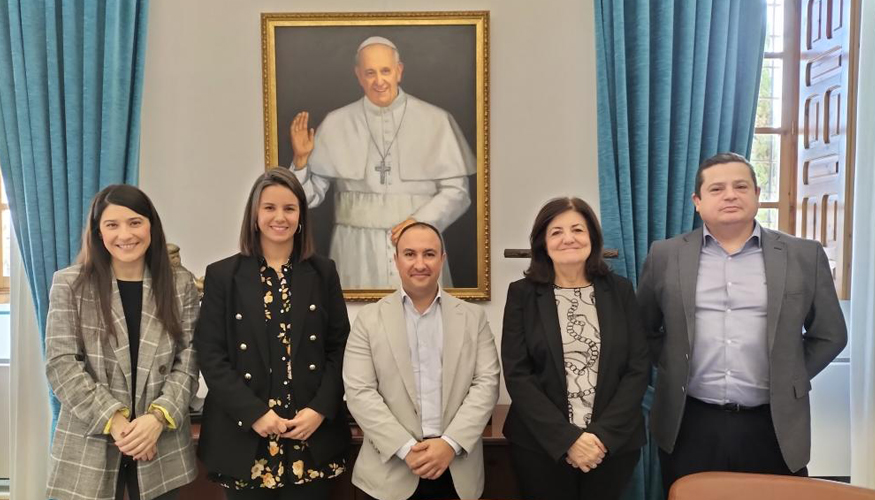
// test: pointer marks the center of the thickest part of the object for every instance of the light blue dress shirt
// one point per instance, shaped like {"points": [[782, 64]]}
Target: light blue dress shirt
{"points": [[730, 358]]}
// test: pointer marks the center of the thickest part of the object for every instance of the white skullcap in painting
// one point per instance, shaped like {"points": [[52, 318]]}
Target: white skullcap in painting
{"points": [[374, 40]]}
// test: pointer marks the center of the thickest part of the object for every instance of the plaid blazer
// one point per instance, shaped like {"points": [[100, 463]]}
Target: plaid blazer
{"points": [[90, 373]]}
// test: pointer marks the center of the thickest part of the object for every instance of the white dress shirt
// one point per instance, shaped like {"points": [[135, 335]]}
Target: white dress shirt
{"points": [[425, 338]]}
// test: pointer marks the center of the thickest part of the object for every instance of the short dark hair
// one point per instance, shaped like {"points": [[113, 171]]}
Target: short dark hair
{"points": [[541, 267], [722, 159], [250, 243], [423, 225]]}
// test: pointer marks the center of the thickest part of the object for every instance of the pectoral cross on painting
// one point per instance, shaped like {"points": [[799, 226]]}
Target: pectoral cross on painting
{"points": [[383, 169]]}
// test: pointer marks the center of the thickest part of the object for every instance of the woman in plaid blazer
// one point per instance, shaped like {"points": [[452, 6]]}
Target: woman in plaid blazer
{"points": [[120, 359]]}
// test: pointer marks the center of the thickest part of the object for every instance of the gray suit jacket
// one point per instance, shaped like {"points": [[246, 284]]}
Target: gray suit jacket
{"points": [[804, 324], [90, 374], [381, 394]]}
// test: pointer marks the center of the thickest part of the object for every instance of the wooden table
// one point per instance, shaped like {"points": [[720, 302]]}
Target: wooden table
{"points": [[500, 479]]}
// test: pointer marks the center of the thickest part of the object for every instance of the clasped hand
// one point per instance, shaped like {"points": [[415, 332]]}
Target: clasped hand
{"points": [[137, 438], [301, 427], [429, 459], [586, 453]]}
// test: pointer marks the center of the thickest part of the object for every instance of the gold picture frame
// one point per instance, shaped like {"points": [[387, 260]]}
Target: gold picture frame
{"points": [[308, 62]]}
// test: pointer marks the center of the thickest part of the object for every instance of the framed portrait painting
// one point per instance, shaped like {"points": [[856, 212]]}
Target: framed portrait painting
{"points": [[384, 118]]}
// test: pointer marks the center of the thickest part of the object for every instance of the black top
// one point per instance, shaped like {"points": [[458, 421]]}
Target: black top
{"points": [[132, 303]]}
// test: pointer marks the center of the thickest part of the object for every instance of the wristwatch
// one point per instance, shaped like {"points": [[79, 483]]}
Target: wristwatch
{"points": [[159, 415]]}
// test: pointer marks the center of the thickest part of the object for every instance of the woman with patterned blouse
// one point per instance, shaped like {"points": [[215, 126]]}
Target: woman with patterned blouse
{"points": [[270, 341], [575, 363]]}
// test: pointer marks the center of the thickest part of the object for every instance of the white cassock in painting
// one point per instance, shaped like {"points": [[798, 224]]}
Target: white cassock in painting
{"points": [[393, 159]]}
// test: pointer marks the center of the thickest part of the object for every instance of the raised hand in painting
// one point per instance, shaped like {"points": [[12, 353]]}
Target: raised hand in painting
{"points": [[302, 139]]}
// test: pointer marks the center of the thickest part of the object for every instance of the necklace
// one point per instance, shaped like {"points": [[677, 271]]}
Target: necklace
{"points": [[382, 168]]}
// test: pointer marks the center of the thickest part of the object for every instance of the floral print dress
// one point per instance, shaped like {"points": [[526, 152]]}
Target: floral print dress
{"points": [[280, 461]]}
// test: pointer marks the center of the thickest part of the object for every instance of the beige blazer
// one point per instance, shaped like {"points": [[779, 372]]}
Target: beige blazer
{"points": [[90, 374], [381, 394]]}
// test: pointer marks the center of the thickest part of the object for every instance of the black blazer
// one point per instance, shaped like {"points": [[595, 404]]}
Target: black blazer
{"points": [[531, 352], [230, 341]]}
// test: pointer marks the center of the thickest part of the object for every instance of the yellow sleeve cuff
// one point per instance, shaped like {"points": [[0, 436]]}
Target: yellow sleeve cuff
{"points": [[171, 424], [124, 411]]}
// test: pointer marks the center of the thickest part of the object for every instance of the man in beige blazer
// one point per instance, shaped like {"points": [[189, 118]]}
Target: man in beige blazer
{"points": [[421, 379]]}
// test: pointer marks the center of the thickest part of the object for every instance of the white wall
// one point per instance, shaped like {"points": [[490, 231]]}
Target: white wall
{"points": [[202, 124]]}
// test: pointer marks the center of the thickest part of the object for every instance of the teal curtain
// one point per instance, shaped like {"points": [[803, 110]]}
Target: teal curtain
{"points": [[71, 78], [677, 83]]}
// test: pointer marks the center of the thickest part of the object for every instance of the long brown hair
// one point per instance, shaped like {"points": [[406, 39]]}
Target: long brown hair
{"points": [[541, 267], [250, 243], [96, 271]]}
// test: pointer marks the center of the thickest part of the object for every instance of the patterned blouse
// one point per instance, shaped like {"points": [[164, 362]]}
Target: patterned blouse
{"points": [[581, 343], [280, 461]]}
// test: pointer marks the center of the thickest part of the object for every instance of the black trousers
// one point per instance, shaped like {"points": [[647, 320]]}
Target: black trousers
{"points": [[541, 478], [127, 480], [433, 489], [713, 439], [317, 490]]}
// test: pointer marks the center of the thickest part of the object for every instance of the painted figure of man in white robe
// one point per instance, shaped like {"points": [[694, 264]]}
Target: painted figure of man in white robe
{"points": [[393, 159]]}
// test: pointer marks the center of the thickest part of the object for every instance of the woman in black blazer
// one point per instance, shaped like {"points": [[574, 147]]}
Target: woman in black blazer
{"points": [[575, 363], [270, 341]]}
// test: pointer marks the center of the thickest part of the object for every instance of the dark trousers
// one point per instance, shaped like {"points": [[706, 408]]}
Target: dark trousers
{"points": [[127, 480], [541, 478], [433, 489], [317, 490], [713, 439]]}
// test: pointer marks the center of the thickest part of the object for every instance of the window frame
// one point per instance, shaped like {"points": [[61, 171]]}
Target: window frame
{"points": [[787, 131], [794, 58]]}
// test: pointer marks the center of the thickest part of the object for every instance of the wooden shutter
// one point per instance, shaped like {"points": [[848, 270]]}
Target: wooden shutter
{"points": [[827, 84]]}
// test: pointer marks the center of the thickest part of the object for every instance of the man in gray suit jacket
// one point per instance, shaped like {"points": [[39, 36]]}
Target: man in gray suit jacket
{"points": [[740, 318], [421, 378]]}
